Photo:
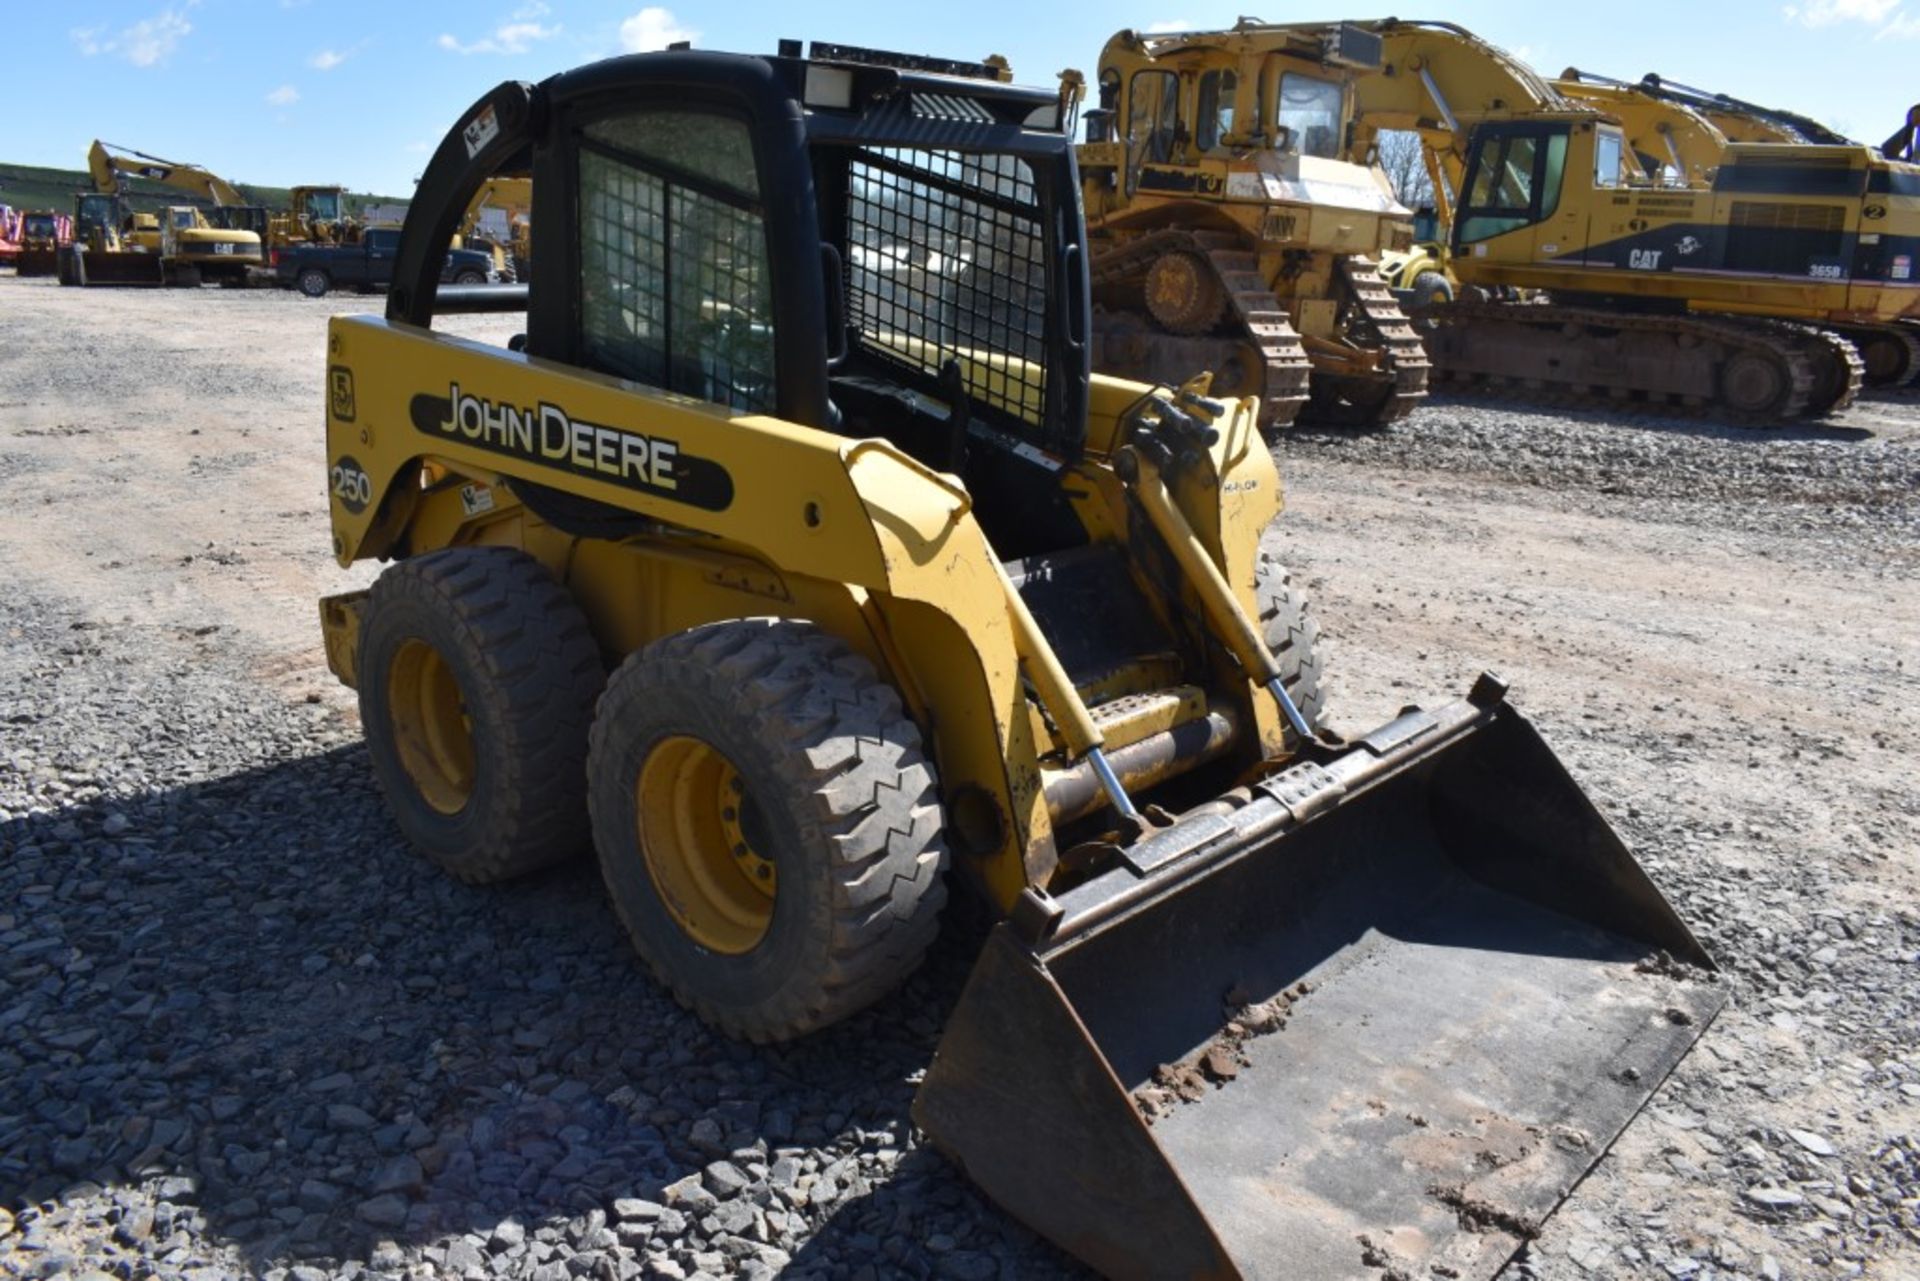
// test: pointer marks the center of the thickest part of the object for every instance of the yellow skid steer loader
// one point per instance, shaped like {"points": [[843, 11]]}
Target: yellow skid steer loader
{"points": [[800, 445]]}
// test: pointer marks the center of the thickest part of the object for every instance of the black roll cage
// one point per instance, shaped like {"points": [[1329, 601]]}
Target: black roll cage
{"points": [[536, 129]]}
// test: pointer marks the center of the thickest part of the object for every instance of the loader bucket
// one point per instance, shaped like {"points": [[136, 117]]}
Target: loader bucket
{"points": [[1376, 1023], [124, 268]]}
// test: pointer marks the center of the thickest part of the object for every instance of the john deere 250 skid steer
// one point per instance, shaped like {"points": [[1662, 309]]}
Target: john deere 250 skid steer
{"points": [[794, 561]]}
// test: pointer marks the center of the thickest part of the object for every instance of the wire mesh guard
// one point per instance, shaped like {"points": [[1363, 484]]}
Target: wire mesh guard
{"points": [[947, 263], [675, 286]]}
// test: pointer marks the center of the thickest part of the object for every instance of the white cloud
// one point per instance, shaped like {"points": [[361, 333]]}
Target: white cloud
{"points": [[653, 28], [531, 10], [508, 37], [1903, 27], [284, 96], [146, 43], [1166, 25], [1825, 13], [327, 59]]}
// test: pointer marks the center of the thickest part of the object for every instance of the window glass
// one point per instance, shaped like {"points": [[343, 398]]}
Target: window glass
{"points": [[1552, 174], [714, 147], [1516, 181], [675, 289], [1216, 108], [324, 205], [1309, 110], [948, 264], [1153, 114], [1609, 158]]}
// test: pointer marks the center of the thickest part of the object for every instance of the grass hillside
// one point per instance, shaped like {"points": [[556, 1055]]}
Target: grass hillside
{"points": [[29, 187]]}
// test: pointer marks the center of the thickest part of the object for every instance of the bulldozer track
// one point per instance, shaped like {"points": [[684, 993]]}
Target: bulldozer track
{"points": [[1283, 357], [1406, 354], [1821, 372]]}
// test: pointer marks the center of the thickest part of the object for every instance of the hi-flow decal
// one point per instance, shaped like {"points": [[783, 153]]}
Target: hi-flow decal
{"points": [[547, 435]]}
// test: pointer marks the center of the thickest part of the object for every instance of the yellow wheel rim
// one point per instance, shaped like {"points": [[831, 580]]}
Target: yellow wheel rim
{"points": [[431, 728], [693, 815]]}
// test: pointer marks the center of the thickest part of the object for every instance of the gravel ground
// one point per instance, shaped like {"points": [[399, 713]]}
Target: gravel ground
{"points": [[244, 1032]]}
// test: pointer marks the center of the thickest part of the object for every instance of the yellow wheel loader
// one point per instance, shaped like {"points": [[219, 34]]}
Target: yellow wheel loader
{"points": [[1228, 233], [1723, 296], [793, 560]]}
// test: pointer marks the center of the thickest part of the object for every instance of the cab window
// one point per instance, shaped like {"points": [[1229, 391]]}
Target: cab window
{"points": [[1216, 108], [1309, 110], [1513, 181], [1609, 158], [1153, 117], [675, 288]]}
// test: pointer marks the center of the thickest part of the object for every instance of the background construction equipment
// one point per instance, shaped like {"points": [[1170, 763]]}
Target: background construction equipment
{"points": [[1229, 234]]}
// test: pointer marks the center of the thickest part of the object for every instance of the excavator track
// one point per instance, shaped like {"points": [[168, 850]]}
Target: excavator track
{"points": [[1354, 402], [1890, 353], [1281, 358], [1753, 372], [1839, 371]]}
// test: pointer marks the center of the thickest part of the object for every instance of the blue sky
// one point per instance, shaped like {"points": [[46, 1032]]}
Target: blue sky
{"points": [[358, 92]]}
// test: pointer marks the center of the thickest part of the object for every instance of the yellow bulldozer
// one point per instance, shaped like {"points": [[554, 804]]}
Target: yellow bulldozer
{"points": [[1725, 296], [794, 560], [314, 215], [1228, 233]]}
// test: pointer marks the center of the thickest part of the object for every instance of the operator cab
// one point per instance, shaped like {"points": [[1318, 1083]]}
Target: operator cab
{"points": [[869, 243]]}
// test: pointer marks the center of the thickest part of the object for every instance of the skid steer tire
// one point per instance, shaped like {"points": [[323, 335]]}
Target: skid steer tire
{"points": [[488, 628], [837, 810], [1292, 636]]}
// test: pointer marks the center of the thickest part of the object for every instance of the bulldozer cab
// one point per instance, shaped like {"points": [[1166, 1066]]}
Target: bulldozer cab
{"points": [[1258, 115]]}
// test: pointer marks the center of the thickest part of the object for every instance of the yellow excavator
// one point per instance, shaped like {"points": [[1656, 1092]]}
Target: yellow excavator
{"points": [[1228, 233], [499, 220], [794, 561], [1680, 135], [179, 246], [1685, 296]]}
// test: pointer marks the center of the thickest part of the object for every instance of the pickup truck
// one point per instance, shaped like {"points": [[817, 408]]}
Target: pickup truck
{"points": [[315, 269]]}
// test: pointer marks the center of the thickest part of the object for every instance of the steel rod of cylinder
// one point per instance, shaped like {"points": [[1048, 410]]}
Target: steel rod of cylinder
{"points": [[1290, 709], [1110, 782]]}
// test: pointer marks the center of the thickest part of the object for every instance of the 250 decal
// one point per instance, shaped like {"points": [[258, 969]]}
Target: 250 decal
{"points": [[350, 484]]}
